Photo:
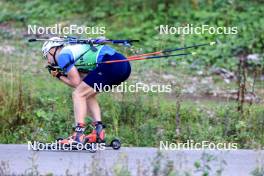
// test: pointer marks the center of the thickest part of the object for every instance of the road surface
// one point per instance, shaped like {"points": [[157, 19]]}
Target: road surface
{"points": [[17, 159]]}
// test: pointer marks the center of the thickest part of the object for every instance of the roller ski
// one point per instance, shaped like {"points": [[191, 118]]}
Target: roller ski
{"points": [[90, 142]]}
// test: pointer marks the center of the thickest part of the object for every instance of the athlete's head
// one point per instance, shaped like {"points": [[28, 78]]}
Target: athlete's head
{"points": [[50, 48]]}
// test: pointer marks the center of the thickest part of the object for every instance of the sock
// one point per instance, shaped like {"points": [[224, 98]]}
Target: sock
{"points": [[81, 124], [97, 123]]}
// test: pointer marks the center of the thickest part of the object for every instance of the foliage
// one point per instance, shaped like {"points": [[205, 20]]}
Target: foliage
{"points": [[35, 107], [145, 17]]}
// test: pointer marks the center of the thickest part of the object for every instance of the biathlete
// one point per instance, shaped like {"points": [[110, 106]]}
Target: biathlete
{"points": [[75, 60]]}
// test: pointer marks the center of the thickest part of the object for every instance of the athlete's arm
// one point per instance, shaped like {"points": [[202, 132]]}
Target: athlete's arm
{"points": [[73, 78]]}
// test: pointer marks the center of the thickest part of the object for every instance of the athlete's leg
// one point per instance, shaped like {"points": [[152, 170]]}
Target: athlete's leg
{"points": [[93, 108], [79, 97], [89, 113]]}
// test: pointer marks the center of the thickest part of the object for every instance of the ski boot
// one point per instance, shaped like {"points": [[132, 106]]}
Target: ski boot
{"points": [[97, 135], [77, 137]]}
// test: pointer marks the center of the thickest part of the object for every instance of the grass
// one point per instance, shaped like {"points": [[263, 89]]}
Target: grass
{"points": [[158, 165], [36, 106], [44, 113], [41, 109]]}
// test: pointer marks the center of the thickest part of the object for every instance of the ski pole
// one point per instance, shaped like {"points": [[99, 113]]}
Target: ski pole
{"points": [[144, 58], [175, 49]]}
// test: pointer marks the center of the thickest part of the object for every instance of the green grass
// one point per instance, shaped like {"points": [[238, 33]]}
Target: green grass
{"points": [[33, 110], [35, 106]]}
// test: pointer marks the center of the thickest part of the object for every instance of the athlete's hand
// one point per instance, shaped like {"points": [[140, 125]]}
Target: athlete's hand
{"points": [[56, 73]]}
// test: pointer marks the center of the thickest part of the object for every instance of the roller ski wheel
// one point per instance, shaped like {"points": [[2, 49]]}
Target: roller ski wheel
{"points": [[115, 144]]}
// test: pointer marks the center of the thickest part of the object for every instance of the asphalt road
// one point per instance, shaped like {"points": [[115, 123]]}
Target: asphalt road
{"points": [[17, 159]]}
